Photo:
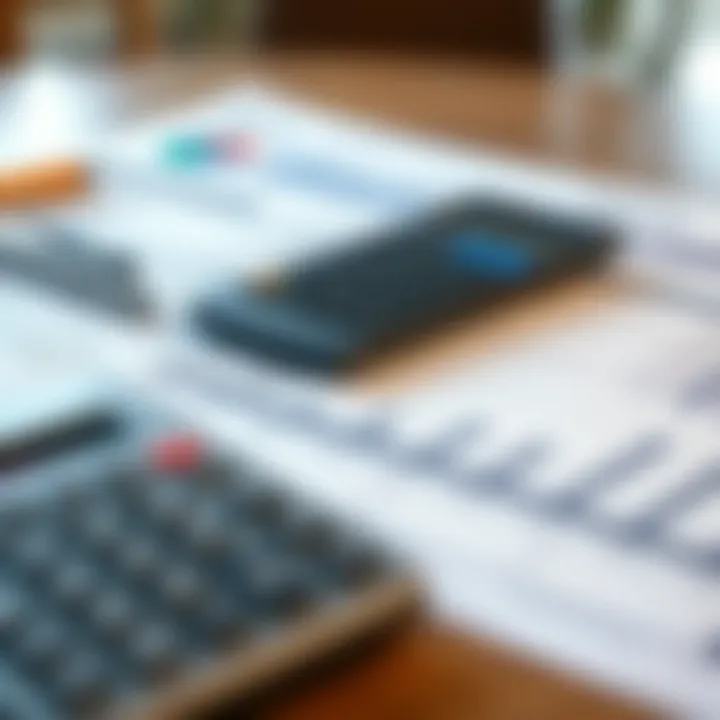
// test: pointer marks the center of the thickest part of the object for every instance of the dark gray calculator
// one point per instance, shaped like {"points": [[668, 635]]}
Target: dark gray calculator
{"points": [[330, 313], [144, 574]]}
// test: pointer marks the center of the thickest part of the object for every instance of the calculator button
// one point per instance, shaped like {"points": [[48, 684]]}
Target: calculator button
{"points": [[263, 504], [140, 559], [208, 538], [310, 534], [168, 503], [113, 614], [12, 614], [223, 623], [81, 685], [74, 584], [284, 590], [43, 647], [177, 455], [105, 529], [36, 553], [155, 648], [182, 589]]}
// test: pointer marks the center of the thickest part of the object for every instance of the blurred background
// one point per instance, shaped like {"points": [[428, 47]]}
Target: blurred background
{"points": [[626, 84], [516, 29]]}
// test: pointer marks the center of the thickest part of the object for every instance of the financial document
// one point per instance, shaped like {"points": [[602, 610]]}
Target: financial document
{"points": [[564, 495]]}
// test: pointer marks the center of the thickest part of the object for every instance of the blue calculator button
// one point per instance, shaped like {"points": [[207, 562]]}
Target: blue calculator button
{"points": [[492, 257]]}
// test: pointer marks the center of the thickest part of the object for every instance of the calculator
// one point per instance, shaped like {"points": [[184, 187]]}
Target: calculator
{"points": [[145, 573], [330, 313], [63, 263]]}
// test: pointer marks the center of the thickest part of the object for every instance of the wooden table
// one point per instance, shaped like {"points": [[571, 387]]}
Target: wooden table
{"points": [[430, 671], [516, 110]]}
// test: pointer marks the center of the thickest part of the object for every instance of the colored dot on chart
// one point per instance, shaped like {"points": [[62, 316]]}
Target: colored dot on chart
{"points": [[236, 147], [188, 152]]}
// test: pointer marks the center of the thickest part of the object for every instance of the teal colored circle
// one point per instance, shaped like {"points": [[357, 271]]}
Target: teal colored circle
{"points": [[187, 152]]}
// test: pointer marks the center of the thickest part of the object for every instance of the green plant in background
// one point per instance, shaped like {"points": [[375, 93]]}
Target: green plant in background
{"points": [[202, 23], [601, 22], [643, 36], [671, 36], [235, 22]]}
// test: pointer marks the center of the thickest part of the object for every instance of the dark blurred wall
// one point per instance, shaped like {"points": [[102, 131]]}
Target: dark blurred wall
{"points": [[501, 28], [11, 28]]}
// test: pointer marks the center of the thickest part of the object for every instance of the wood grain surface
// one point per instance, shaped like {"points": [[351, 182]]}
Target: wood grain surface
{"points": [[12, 14], [433, 672], [509, 29], [504, 108]]}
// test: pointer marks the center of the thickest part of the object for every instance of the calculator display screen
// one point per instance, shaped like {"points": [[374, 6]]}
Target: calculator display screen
{"points": [[55, 436]]}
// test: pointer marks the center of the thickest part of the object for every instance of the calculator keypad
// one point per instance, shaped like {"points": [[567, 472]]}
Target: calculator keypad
{"points": [[112, 589]]}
